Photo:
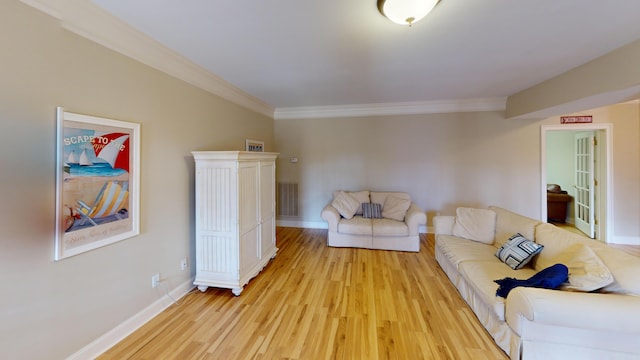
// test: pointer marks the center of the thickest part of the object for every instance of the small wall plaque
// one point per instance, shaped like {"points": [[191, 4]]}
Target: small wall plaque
{"points": [[582, 119]]}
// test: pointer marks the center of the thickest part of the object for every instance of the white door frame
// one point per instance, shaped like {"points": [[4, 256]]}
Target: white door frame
{"points": [[607, 236]]}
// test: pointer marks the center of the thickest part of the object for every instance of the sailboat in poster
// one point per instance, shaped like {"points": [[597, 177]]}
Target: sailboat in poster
{"points": [[112, 150], [71, 159], [84, 159]]}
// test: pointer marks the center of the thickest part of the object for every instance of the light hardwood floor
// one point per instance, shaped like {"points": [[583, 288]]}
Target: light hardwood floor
{"points": [[317, 302]]}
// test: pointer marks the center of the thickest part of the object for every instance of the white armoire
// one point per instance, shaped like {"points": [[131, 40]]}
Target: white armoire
{"points": [[235, 217]]}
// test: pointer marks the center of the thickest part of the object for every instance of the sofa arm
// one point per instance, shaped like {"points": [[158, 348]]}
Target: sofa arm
{"points": [[331, 216], [592, 311], [414, 218], [443, 224]]}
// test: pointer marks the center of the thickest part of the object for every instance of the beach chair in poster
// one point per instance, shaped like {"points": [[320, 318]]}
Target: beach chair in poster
{"points": [[112, 198]]}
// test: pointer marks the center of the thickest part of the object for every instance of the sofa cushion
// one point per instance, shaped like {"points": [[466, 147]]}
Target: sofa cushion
{"points": [[458, 249], [480, 276], [475, 224], [509, 223], [372, 211], [355, 226], [361, 196], [346, 204], [586, 271], [556, 241], [395, 208], [388, 227], [518, 251], [624, 267]]}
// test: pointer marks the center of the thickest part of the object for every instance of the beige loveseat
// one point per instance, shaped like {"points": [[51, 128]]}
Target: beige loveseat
{"points": [[394, 226], [596, 315]]}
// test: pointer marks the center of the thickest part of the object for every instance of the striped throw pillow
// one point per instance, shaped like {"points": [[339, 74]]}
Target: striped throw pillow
{"points": [[371, 210], [518, 251]]}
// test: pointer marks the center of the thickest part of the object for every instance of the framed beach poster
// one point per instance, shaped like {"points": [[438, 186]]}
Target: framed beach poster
{"points": [[97, 182]]}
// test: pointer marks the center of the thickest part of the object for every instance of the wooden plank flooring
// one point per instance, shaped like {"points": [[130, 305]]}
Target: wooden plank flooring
{"points": [[317, 302]]}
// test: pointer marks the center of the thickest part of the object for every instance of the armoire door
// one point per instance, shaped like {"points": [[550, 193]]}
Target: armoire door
{"points": [[267, 208], [248, 207]]}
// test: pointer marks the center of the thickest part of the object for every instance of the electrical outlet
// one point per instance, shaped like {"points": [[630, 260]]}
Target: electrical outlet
{"points": [[184, 263], [155, 279]]}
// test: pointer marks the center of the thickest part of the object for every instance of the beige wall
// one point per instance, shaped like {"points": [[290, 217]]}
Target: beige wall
{"points": [[626, 166], [49, 310], [442, 160], [625, 119], [445, 161]]}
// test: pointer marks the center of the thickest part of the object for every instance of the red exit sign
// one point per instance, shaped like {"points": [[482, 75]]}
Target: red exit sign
{"points": [[576, 119]]}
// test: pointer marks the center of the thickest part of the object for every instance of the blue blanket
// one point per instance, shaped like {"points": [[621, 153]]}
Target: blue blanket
{"points": [[549, 278]]}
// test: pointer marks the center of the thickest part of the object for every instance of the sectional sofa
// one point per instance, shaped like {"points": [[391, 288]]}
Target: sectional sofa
{"points": [[594, 315]]}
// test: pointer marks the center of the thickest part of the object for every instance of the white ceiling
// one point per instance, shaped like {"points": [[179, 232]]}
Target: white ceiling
{"points": [[311, 53]]}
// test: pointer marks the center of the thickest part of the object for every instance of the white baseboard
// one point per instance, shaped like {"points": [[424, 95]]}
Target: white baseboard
{"points": [[625, 240], [114, 336], [303, 224]]}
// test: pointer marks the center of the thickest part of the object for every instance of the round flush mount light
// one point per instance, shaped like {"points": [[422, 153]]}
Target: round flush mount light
{"points": [[406, 12]]}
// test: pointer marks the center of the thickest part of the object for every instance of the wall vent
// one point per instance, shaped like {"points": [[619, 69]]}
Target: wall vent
{"points": [[287, 204]]}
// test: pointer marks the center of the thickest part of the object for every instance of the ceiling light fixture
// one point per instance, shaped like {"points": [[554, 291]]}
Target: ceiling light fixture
{"points": [[406, 12]]}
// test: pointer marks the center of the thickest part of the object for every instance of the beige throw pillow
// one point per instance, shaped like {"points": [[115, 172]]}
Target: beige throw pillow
{"points": [[346, 204], [587, 272], [625, 269], [509, 223], [475, 224], [362, 197], [395, 208]]}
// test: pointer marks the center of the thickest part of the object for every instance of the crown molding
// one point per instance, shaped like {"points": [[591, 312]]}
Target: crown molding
{"points": [[390, 109], [96, 24]]}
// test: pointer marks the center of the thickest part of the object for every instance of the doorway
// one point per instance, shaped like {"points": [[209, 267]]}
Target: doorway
{"points": [[552, 159]]}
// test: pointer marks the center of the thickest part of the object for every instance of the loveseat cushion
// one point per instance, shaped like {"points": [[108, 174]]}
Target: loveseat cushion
{"points": [[381, 196], [357, 225], [346, 204], [475, 224], [458, 250], [388, 227], [509, 223], [395, 208], [361, 196], [480, 276]]}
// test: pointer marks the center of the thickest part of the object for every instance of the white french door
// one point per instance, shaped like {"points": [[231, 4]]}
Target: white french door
{"points": [[584, 183]]}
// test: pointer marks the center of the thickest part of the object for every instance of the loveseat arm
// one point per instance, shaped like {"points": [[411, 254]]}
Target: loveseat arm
{"points": [[443, 224], [591, 311], [414, 218], [331, 216]]}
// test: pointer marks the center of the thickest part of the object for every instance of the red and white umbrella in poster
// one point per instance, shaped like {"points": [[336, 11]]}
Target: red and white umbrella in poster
{"points": [[113, 148]]}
